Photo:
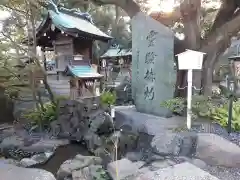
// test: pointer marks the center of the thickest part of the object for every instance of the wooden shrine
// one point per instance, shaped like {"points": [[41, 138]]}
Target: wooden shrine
{"points": [[70, 34]]}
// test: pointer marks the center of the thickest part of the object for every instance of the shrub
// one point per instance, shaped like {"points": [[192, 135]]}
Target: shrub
{"points": [[46, 115], [176, 105], [201, 106], [108, 98], [42, 116], [220, 116]]}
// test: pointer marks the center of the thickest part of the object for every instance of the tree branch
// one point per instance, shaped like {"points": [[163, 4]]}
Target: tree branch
{"points": [[224, 33], [225, 13]]}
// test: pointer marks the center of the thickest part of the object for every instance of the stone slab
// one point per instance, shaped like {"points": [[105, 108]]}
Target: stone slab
{"points": [[11, 172], [215, 150], [153, 74], [146, 123], [124, 167], [183, 171]]}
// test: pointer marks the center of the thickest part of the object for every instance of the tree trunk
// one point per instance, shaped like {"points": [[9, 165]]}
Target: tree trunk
{"points": [[190, 11]]}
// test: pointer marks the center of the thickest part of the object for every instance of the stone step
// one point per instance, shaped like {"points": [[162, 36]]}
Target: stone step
{"points": [[125, 169], [178, 172]]}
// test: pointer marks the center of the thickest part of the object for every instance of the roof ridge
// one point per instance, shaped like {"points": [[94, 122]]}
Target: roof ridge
{"points": [[72, 12]]}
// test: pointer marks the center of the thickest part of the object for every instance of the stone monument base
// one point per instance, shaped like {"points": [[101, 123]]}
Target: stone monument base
{"points": [[146, 123]]}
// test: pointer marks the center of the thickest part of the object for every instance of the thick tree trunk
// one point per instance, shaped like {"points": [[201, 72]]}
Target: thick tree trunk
{"points": [[224, 27]]}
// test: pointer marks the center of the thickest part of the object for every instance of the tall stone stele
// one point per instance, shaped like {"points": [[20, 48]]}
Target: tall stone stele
{"points": [[153, 74]]}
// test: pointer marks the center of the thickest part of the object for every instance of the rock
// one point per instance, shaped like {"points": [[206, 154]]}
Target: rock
{"points": [[163, 143], [50, 143], [125, 168], [76, 164], [12, 141], [199, 163], [217, 151], [91, 159], [68, 167], [188, 143], [182, 144], [55, 128], [27, 162], [11, 172], [90, 173], [9, 161], [92, 140], [161, 164], [134, 156], [180, 171]]}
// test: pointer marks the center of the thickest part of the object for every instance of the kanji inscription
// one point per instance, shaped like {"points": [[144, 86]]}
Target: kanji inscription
{"points": [[150, 57], [151, 38], [149, 92], [149, 75]]}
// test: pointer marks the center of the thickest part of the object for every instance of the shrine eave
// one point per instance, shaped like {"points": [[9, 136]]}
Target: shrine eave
{"points": [[115, 52], [83, 72]]}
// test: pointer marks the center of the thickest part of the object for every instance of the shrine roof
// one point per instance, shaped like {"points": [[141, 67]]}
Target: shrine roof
{"points": [[116, 52], [83, 71], [71, 22]]}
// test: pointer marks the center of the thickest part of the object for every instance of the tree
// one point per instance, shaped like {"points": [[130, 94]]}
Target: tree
{"points": [[214, 42]]}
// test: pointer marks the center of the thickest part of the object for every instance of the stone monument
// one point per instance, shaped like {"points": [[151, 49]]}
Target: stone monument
{"points": [[153, 74]]}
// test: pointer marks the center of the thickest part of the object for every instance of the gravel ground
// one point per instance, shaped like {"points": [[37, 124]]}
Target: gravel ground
{"points": [[224, 173]]}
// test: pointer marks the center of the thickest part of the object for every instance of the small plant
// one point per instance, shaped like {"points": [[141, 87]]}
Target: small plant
{"points": [[101, 174], [201, 106], [44, 116], [108, 98], [176, 105], [220, 116]]}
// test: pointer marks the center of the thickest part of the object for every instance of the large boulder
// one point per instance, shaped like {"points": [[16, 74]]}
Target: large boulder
{"points": [[217, 151], [11, 172], [177, 172], [178, 144]]}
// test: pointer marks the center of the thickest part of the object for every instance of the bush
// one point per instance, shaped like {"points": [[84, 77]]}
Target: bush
{"points": [[201, 106], [208, 108], [43, 116], [46, 115], [220, 115], [176, 105], [108, 98]]}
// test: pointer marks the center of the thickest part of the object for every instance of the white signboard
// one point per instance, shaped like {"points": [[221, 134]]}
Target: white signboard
{"points": [[190, 60], [104, 63]]}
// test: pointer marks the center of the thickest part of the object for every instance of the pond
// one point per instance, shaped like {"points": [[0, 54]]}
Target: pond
{"points": [[62, 154]]}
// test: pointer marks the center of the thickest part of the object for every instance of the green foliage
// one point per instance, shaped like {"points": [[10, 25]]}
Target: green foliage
{"points": [[46, 115], [101, 174], [206, 107], [176, 105], [108, 98], [43, 116], [220, 115], [201, 106]]}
